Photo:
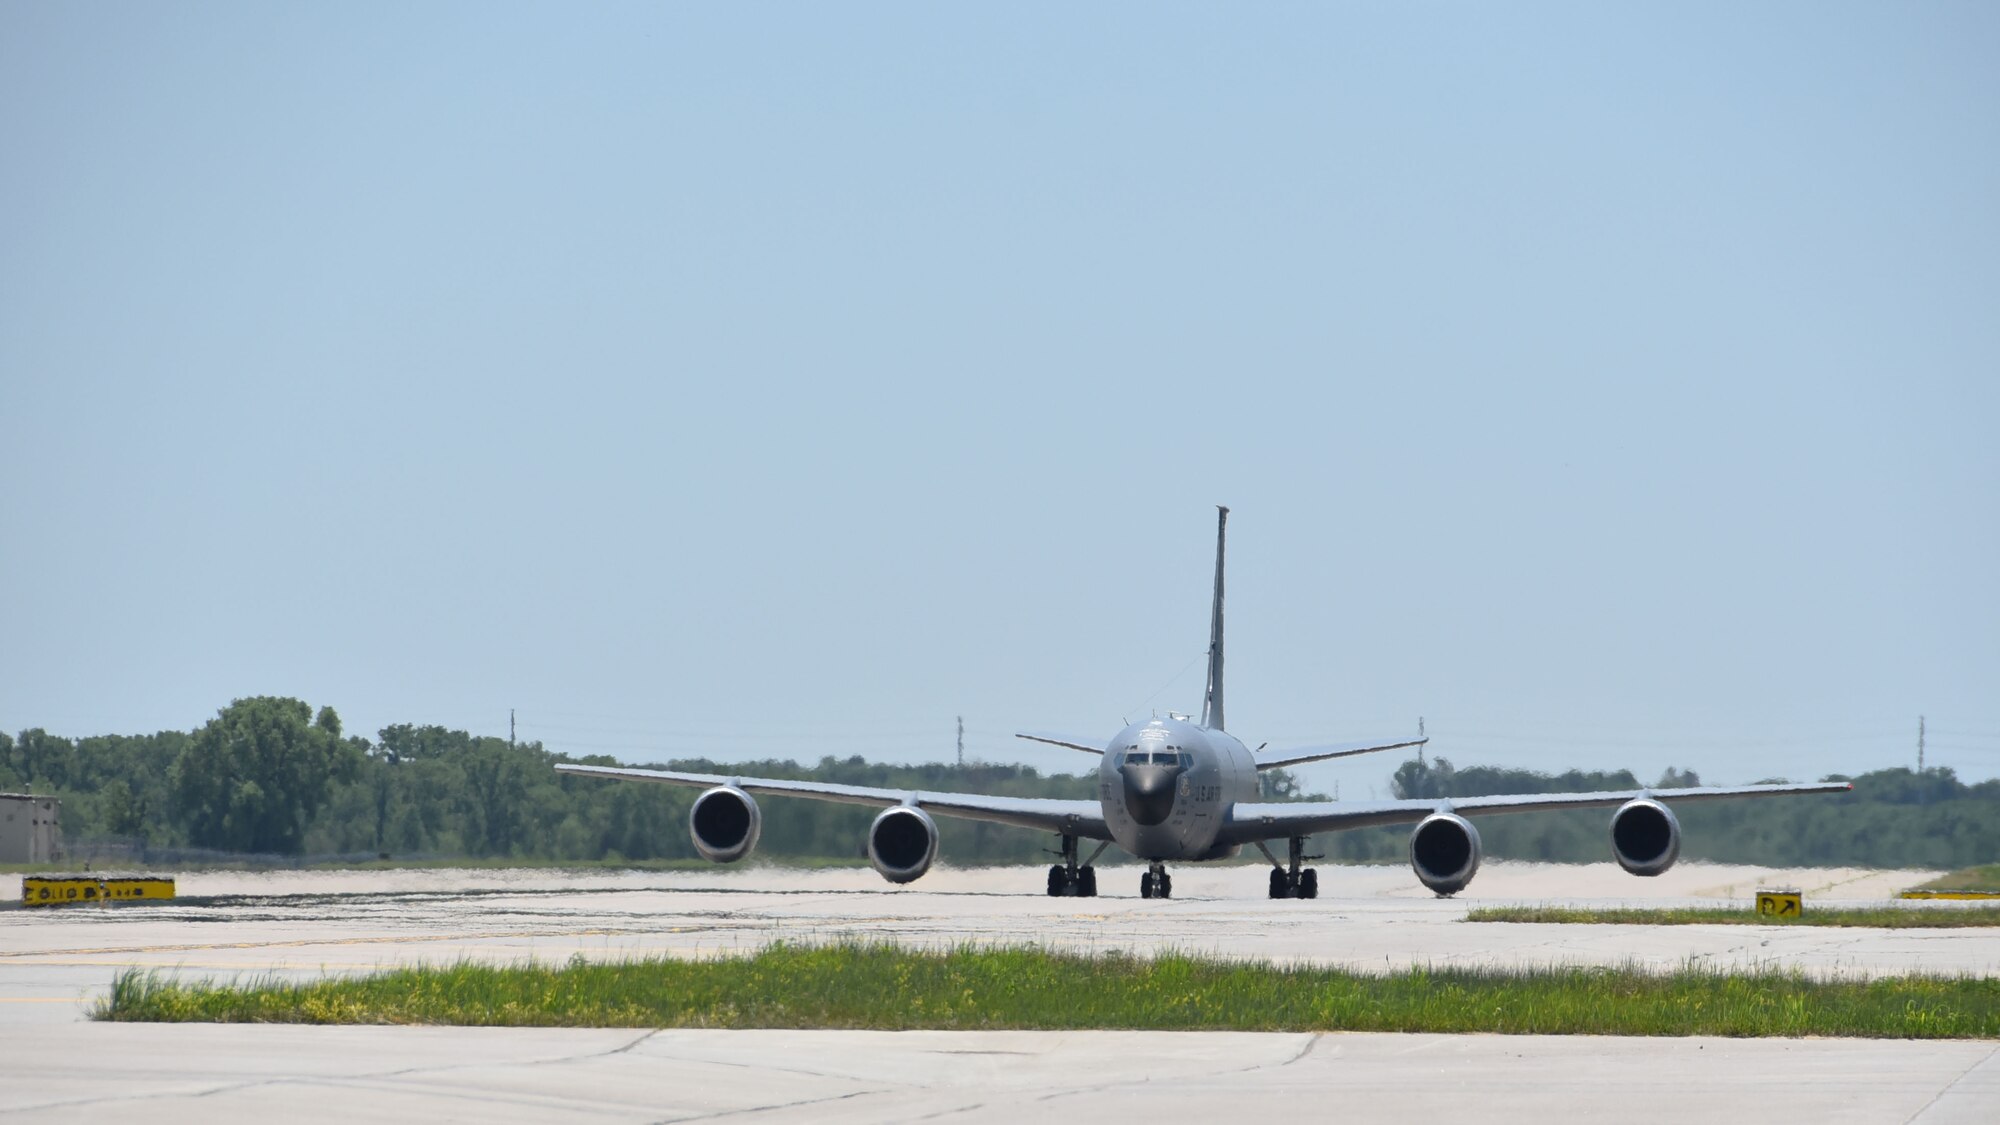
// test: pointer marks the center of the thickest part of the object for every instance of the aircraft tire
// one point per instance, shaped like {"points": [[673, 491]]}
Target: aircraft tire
{"points": [[1309, 883], [1146, 885], [1058, 881], [1279, 887], [1166, 886], [1086, 882]]}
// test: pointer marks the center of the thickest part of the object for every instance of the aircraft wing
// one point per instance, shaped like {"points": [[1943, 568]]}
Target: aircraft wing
{"points": [[1303, 754], [1067, 742], [1049, 814], [1249, 823]]}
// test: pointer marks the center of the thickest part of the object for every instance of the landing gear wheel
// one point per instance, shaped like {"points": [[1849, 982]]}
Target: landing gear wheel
{"points": [[1086, 882], [1058, 881], [1166, 885], [1293, 881], [1146, 885]]}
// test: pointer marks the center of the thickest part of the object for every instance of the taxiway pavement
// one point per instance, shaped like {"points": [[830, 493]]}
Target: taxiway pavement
{"points": [[55, 962], [208, 1073]]}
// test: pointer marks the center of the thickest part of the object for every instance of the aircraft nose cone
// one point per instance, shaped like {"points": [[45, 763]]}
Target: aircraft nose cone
{"points": [[1149, 793]]}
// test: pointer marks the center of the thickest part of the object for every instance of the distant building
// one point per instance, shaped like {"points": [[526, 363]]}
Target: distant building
{"points": [[30, 828]]}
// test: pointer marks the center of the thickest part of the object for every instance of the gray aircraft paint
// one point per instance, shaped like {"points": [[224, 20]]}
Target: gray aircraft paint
{"points": [[1203, 803]]}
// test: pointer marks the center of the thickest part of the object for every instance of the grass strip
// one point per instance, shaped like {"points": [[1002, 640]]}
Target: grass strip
{"points": [[885, 987], [1880, 917], [1985, 878]]}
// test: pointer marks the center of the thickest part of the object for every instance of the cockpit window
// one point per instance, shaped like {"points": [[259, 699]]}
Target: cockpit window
{"points": [[1187, 760]]}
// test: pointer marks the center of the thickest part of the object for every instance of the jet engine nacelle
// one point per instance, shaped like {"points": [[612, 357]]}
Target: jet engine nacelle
{"points": [[1645, 837], [902, 843], [1444, 852], [725, 824]]}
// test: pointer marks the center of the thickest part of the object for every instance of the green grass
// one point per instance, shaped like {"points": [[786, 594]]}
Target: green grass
{"points": [[1883, 917], [889, 988], [1985, 878]]}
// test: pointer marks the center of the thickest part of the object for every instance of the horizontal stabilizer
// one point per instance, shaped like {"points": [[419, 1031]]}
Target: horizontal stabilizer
{"points": [[1303, 754], [1061, 740]]}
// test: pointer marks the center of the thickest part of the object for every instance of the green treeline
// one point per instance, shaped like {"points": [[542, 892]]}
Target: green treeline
{"points": [[1893, 818], [271, 776]]}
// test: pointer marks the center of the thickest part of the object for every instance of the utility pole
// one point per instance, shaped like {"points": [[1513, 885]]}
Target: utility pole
{"points": [[1920, 744], [961, 742], [510, 728], [1420, 735]]}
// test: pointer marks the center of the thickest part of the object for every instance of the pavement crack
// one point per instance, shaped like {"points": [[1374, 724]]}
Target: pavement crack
{"points": [[579, 1058], [952, 1112], [800, 1104], [1991, 1056], [1311, 1044], [1142, 1079], [337, 1079]]}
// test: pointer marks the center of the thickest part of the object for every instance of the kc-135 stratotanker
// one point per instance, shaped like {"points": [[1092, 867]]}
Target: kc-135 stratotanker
{"points": [[1176, 790]]}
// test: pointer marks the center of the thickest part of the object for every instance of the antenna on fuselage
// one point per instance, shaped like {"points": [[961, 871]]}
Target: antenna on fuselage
{"points": [[1211, 703]]}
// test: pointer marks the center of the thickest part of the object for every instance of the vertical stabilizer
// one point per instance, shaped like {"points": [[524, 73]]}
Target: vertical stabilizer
{"points": [[1211, 704]]}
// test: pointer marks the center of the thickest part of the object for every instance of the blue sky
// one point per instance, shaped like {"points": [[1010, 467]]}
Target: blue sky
{"points": [[1612, 386]]}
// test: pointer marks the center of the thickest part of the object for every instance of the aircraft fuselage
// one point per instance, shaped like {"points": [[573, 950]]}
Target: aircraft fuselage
{"points": [[1167, 784]]}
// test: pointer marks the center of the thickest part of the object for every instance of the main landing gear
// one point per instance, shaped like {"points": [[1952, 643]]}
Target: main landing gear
{"points": [[1294, 882], [1156, 883], [1071, 878]]}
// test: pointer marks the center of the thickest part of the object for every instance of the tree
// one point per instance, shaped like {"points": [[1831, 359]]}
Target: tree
{"points": [[1278, 785], [252, 778], [494, 794], [1678, 779], [43, 759]]}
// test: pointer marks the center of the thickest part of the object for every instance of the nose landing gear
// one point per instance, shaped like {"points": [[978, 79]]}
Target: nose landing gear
{"points": [[1295, 882], [1072, 878], [1156, 883]]}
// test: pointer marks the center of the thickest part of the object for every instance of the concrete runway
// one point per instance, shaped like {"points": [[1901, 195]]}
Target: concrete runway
{"points": [[53, 963]]}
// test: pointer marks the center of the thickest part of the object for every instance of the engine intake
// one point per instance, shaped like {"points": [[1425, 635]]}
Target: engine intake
{"points": [[1645, 837], [1444, 852], [725, 824], [902, 843]]}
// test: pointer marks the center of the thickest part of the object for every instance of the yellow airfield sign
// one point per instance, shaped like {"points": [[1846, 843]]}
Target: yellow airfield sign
{"points": [[68, 890], [1781, 904], [138, 886]]}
